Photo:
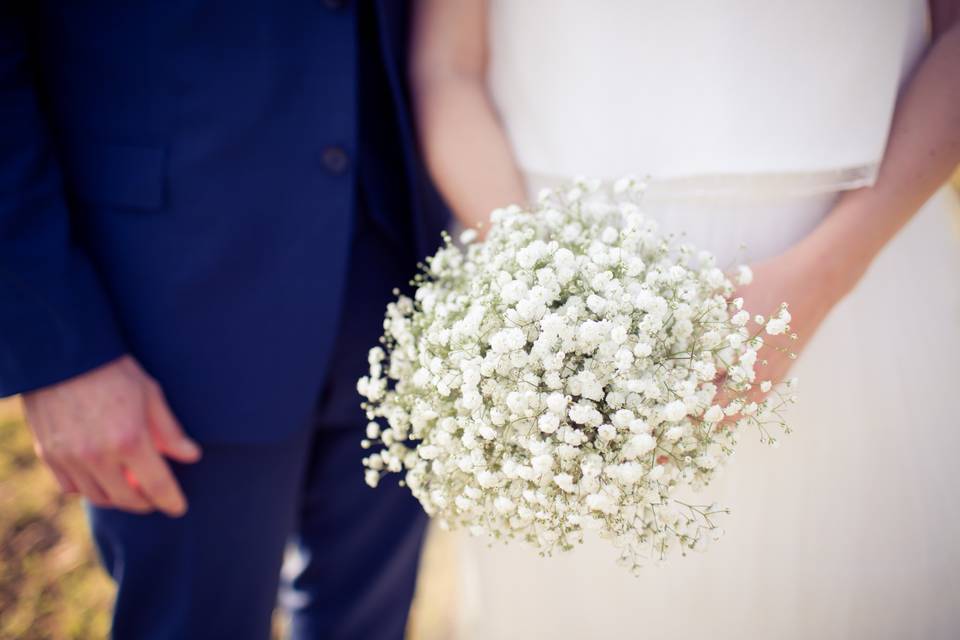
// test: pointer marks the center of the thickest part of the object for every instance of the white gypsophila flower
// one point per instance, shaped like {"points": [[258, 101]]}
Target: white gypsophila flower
{"points": [[776, 326], [674, 411], [713, 414], [561, 377]]}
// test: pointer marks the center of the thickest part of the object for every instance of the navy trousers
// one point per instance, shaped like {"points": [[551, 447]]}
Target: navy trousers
{"points": [[216, 572]]}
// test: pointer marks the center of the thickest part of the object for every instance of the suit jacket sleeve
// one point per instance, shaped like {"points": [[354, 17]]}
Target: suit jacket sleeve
{"points": [[55, 318]]}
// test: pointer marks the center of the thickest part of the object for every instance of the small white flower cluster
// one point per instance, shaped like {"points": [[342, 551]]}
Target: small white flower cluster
{"points": [[563, 376]]}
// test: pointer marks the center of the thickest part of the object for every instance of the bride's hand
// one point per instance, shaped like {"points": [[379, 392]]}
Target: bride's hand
{"points": [[800, 280]]}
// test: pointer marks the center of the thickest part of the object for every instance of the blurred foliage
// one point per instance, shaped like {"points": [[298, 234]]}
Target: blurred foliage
{"points": [[50, 584]]}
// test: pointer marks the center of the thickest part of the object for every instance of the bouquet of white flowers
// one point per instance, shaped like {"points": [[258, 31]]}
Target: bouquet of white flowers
{"points": [[563, 376]]}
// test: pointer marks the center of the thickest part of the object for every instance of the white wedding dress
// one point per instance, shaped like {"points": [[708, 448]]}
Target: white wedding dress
{"points": [[750, 116]]}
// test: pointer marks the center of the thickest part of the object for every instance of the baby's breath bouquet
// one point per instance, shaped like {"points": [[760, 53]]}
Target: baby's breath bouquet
{"points": [[563, 376]]}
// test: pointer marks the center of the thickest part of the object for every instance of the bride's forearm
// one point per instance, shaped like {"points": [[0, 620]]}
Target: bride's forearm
{"points": [[922, 152], [466, 149]]}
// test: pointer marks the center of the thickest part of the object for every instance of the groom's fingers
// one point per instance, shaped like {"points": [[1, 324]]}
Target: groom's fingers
{"points": [[121, 495], [63, 478], [88, 487], [156, 481], [165, 430]]}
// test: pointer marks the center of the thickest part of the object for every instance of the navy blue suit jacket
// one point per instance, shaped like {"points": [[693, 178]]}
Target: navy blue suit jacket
{"points": [[178, 182]]}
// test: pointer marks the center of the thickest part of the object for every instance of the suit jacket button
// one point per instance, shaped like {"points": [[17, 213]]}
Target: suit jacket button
{"points": [[335, 160]]}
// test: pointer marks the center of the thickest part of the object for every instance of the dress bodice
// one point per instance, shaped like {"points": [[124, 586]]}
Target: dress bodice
{"points": [[797, 96]]}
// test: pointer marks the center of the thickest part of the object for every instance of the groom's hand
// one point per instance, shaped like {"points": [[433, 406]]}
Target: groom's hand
{"points": [[104, 434]]}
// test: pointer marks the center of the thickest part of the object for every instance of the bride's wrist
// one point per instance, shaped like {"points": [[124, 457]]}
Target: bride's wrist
{"points": [[840, 250], [834, 266]]}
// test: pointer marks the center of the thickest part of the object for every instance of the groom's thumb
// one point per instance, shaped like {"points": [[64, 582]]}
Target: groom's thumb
{"points": [[167, 434]]}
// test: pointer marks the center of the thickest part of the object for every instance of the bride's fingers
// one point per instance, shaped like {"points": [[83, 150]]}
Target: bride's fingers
{"points": [[723, 398], [725, 394]]}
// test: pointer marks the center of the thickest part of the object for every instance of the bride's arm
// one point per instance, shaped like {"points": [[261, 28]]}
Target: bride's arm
{"points": [[922, 152], [466, 149]]}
